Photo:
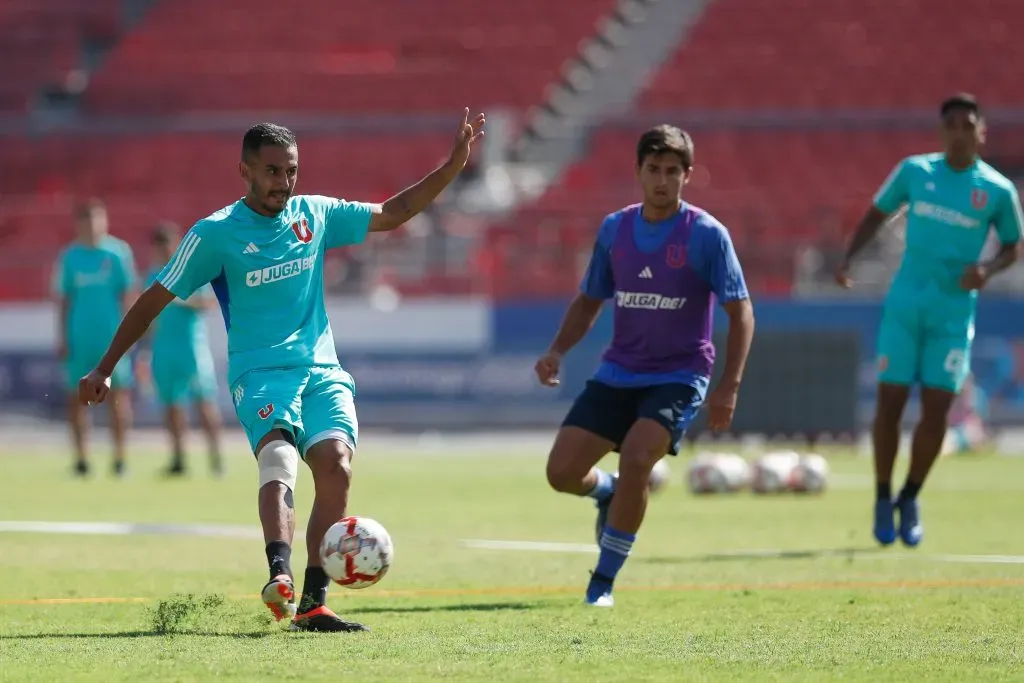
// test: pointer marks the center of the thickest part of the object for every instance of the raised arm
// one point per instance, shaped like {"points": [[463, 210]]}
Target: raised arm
{"points": [[412, 200]]}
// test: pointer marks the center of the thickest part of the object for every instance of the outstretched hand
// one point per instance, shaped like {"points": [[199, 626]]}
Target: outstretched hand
{"points": [[469, 132]]}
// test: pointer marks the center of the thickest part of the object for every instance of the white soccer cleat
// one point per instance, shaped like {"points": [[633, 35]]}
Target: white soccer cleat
{"points": [[604, 600], [279, 597]]}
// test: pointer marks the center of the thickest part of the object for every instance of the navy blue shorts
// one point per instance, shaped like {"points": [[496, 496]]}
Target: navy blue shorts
{"points": [[610, 412]]}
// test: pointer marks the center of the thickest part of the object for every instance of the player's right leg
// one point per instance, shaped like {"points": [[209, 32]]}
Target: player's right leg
{"points": [[595, 425], [898, 363], [268, 406], [120, 400], [78, 421], [171, 385]]}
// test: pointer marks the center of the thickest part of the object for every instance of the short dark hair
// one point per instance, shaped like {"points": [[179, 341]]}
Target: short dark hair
{"points": [[662, 139], [265, 134], [165, 232], [86, 208], [960, 101]]}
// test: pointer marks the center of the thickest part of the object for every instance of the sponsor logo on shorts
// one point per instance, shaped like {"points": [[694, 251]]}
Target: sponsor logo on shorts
{"points": [[266, 411], [652, 302], [238, 394], [883, 363], [281, 271]]}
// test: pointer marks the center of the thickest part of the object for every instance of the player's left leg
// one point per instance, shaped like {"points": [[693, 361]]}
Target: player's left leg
{"points": [[329, 418], [209, 421], [121, 411], [945, 365], [172, 385], [663, 414]]}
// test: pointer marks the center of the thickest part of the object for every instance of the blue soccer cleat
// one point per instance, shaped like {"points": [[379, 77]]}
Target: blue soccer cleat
{"points": [[599, 592], [885, 526], [911, 529]]}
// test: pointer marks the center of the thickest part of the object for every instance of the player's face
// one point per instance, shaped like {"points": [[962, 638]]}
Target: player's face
{"points": [[662, 177], [270, 176], [963, 133], [162, 251], [92, 226]]}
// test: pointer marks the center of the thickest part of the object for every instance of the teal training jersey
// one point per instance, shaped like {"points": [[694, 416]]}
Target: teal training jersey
{"points": [[949, 215], [94, 281], [267, 274], [180, 329]]}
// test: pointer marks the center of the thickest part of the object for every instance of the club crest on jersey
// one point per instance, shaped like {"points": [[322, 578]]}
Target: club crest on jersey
{"points": [[979, 199], [302, 231], [675, 257], [266, 411]]}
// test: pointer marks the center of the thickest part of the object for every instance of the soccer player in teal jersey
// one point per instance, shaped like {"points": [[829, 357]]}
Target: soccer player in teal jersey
{"points": [[953, 199], [264, 255], [92, 283], [180, 360]]}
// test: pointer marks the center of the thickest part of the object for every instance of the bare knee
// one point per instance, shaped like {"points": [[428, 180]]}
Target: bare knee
{"points": [[563, 477], [935, 407], [331, 465]]}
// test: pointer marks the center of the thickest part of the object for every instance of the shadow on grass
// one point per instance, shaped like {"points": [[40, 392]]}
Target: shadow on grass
{"points": [[470, 607], [739, 556], [251, 635]]}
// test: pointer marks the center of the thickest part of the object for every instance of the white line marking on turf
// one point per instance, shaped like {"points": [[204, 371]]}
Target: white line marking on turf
{"points": [[554, 547], [131, 529], [533, 546]]}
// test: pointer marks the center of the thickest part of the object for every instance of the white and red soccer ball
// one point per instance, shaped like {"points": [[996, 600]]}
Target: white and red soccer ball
{"points": [[783, 471], [717, 473], [356, 552]]}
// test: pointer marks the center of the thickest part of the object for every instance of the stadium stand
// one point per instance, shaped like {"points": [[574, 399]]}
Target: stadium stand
{"points": [[377, 56], [843, 55]]}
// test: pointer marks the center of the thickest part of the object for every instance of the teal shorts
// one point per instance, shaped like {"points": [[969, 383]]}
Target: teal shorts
{"points": [[923, 344], [313, 404], [184, 376], [83, 359]]}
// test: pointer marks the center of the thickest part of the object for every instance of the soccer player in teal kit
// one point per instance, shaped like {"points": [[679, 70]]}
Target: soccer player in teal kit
{"points": [[92, 282], [264, 255], [180, 360], [953, 198]]}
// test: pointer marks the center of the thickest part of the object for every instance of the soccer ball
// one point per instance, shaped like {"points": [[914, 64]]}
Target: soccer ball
{"points": [[356, 552], [774, 472], [811, 474], [717, 473], [659, 476]]}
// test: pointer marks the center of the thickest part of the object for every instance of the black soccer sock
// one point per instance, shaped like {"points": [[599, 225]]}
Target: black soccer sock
{"points": [[883, 491], [279, 557], [910, 490], [314, 589]]}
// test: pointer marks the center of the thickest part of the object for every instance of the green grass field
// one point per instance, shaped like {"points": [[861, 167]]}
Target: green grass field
{"points": [[691, 605]]}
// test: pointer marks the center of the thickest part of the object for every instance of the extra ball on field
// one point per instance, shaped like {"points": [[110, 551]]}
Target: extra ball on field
{"points": [[774, 472], [717, 473], [659, 476], [356, 552], [811, 474]]}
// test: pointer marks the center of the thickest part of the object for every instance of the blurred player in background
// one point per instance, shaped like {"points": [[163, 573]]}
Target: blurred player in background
{"points": [[180, 361], [264, 255], [92, 283], [954, 198], [664, 262]]}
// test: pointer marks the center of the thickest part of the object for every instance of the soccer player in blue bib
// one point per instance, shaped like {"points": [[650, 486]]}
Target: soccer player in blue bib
{"points": [[953, 199], [180, 360], [264, 255], [92, 283], [663, 264]]}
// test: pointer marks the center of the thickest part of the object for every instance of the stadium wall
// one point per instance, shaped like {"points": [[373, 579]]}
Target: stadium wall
{"points": [[466, 363]]}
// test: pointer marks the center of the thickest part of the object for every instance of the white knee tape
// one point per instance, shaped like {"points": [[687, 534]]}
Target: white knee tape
{"points": [[278, 461]]}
